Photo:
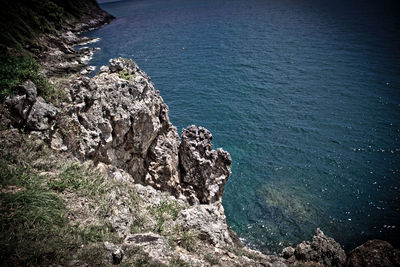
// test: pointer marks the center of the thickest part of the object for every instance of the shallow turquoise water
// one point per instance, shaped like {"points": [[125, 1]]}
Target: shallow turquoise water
{"points": [[304, 94]]}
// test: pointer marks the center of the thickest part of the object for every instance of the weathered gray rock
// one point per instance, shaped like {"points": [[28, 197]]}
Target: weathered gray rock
{"points": [[209, 221], [154, 245], [163, 162], [204, 169], [116, 253], [117, 64], [31, 110], [124, 122], [288, 252], [22, 103], [30, 91], [41, 114], [374, 253], [103, 69], [322, 249], [69, 37]]}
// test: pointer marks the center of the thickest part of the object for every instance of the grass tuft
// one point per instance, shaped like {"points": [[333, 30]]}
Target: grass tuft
{"points": [[164, 211], [16, 69], [124, 74]]}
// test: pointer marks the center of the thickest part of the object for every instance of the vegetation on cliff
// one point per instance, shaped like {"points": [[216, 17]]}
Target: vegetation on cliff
{"points": [[21, 20], [17, 68], [138, 195], [23, 24], [36, 198]]}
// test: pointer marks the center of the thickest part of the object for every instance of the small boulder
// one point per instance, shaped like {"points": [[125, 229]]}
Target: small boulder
{"points": [[103, 69], [30, 91], [287, 252], [156, 246], [116, 253], [31, 110], [41, 114]]}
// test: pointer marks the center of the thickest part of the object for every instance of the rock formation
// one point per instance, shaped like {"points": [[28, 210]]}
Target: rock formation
{"points": [[29, 110], [163, 195], [121, 120], [118, 120], [321, 250], [203, 169], [374, 253]]}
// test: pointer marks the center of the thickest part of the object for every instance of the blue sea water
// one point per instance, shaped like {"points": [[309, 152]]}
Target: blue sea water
{"points": [[304, 95]]}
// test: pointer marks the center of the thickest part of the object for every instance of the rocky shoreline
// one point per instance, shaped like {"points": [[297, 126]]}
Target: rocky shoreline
{"points": [[117, 123]]}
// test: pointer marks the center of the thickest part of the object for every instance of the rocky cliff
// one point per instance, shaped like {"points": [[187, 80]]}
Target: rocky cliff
{"points": [[118, 124], [102, 177]]}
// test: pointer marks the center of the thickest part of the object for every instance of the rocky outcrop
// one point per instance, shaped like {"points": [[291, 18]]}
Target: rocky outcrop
{"points": [[374, 253], [119, 121], [160, 195], [123, 121], [29, 110], [94, 18], [205, 170], [209, 221], [322, 250], [58, 57], [118, 118]]}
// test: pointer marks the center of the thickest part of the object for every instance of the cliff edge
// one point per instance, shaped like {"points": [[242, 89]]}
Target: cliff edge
{"points": [[95, 174]]}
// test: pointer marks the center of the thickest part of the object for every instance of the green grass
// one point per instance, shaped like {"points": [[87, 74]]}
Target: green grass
{"points": [[35, 230], [138, 223], [33, 225], [211, 259], [175, 262], [16, 69], [79, 178], [124, 74], [186, 239], [164, 211], [135, 256]]}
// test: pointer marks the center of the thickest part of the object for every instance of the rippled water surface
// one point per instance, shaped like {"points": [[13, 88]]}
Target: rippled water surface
{"points": [[304, 94]]}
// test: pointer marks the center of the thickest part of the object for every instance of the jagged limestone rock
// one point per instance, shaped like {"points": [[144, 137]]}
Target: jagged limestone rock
{"points": [[287, 252], [123, 121], [30, 110], [163, 161], [204, 169], [154, 245], [374, 253], [209, 221], [322, 250], [116, 253], [41, 115]]}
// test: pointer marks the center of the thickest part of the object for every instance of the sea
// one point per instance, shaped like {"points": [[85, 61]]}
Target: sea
{"points": [[304, 95]]}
